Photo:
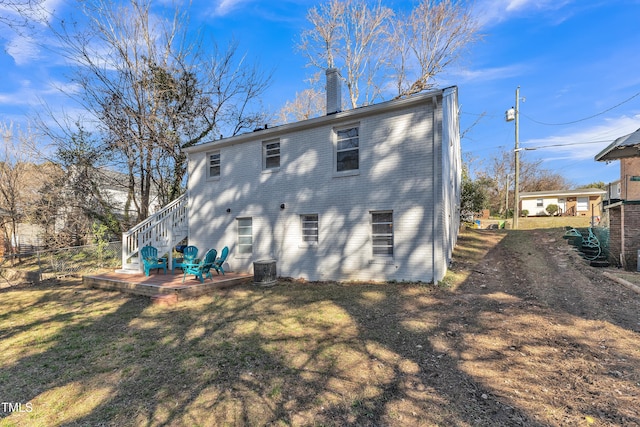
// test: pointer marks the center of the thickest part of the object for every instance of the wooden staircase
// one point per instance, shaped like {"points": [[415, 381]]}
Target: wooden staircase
{"points": [[163, 230]]}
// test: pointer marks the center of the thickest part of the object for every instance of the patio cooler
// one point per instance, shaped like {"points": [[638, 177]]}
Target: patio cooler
{"points": [[264, 272]]}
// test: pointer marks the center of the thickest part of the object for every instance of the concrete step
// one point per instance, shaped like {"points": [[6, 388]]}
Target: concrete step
{"points": [[601, 263]]}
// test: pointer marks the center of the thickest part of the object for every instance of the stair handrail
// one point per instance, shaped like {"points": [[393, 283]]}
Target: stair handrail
{"points": [[161, 224]]}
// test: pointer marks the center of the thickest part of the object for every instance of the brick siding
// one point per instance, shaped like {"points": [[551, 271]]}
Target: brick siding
{"points": [[624, 236], [400, 170]]}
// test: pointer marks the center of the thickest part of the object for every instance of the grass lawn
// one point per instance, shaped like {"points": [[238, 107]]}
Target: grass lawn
{"points": [[313, 354], [302, 354]]}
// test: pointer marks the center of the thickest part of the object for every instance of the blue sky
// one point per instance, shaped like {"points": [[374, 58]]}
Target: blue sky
{"points": [[576, 62]]}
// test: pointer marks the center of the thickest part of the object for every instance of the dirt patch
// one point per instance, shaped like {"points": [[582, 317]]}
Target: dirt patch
{"points": [[545, 332]]}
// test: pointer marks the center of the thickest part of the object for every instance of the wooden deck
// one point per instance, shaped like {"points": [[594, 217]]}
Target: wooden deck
{"points": [[162, 287]]}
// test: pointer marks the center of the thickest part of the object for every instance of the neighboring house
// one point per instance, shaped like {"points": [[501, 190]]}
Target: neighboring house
{"points": [[579, 202], [113, 191], [623, 200], [371, 193]]}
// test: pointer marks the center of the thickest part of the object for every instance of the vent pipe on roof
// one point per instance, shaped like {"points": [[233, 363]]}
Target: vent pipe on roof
{"points": [[334, 95]]}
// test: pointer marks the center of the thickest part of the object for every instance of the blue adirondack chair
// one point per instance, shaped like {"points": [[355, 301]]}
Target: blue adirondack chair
{"points": [[218, 264], [203, 268], [189, 253], [150, 260]]}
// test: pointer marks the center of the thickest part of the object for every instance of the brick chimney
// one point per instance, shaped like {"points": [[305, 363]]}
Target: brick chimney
{"points": [[334, 95]]}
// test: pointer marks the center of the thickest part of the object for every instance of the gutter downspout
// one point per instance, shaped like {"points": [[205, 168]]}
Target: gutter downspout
{"points": [[435, 182]]}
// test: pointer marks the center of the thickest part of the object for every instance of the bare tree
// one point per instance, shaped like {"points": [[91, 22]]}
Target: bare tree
{"points": [[152, 91], [376, 49], [11, 172], [18, 14], [21, 181], [436, 34], [307, 104], [351, 36], [533, 177], [321, 42]]}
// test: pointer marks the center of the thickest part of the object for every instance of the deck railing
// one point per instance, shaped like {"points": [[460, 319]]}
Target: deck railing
{"points": [[163, 230]]}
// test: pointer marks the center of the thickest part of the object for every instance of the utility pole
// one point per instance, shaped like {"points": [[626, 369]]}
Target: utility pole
{"points": [[514, 114], [516, 208]]}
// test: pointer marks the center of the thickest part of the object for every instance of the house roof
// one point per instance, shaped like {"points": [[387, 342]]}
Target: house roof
{"points": [[352, 114], [624, 147], [563, 193]]}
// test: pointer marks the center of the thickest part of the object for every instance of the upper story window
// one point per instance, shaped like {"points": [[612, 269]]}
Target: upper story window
{"points": [[271, 154], [347, 149], [213, 164]]}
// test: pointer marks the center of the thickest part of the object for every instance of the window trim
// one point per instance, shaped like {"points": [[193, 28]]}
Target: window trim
{"points": [[382, 235], [305, 243], [265, 155], [240, 253], [582, 204], [209, 165], [336, 140]]}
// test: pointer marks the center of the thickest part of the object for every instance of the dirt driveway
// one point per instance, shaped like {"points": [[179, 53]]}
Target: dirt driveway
{"points": [[544, 331]]}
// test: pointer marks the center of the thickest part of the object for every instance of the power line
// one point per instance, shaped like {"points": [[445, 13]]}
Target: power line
{"points": [[567, 144], [585, 118]]}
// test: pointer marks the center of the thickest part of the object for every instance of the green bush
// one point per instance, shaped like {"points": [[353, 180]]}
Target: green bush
{"points": [[552, 209]]}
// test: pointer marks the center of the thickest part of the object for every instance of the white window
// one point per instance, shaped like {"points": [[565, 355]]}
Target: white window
{"points": [[583, 204], [245, 236], [271, 154], [214, 164], [382, 233], [309, 226], [539, 203], [347, 149]]}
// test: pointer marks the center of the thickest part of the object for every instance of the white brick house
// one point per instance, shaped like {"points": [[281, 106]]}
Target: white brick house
{"points": [[367, 194]]}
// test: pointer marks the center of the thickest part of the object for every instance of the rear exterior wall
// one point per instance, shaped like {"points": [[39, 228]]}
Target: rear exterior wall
{"points": [[398, 151]]}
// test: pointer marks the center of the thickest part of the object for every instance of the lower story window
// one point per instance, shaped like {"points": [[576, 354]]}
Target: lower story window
{"points": [[583, 204], [309, 224], [382, 233], [245, 236]]}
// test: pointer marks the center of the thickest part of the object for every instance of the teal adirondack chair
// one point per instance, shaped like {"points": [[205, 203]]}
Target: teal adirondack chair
{"points": [[189, 254], [218, 264], [150, 260], [203, 268]]}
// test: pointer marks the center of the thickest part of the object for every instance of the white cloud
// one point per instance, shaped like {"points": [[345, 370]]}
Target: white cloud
{"points": [[490, 12], [47, 10], [462, 75], [23, 50], [24, 94], [225, 7], [584, 144]]}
